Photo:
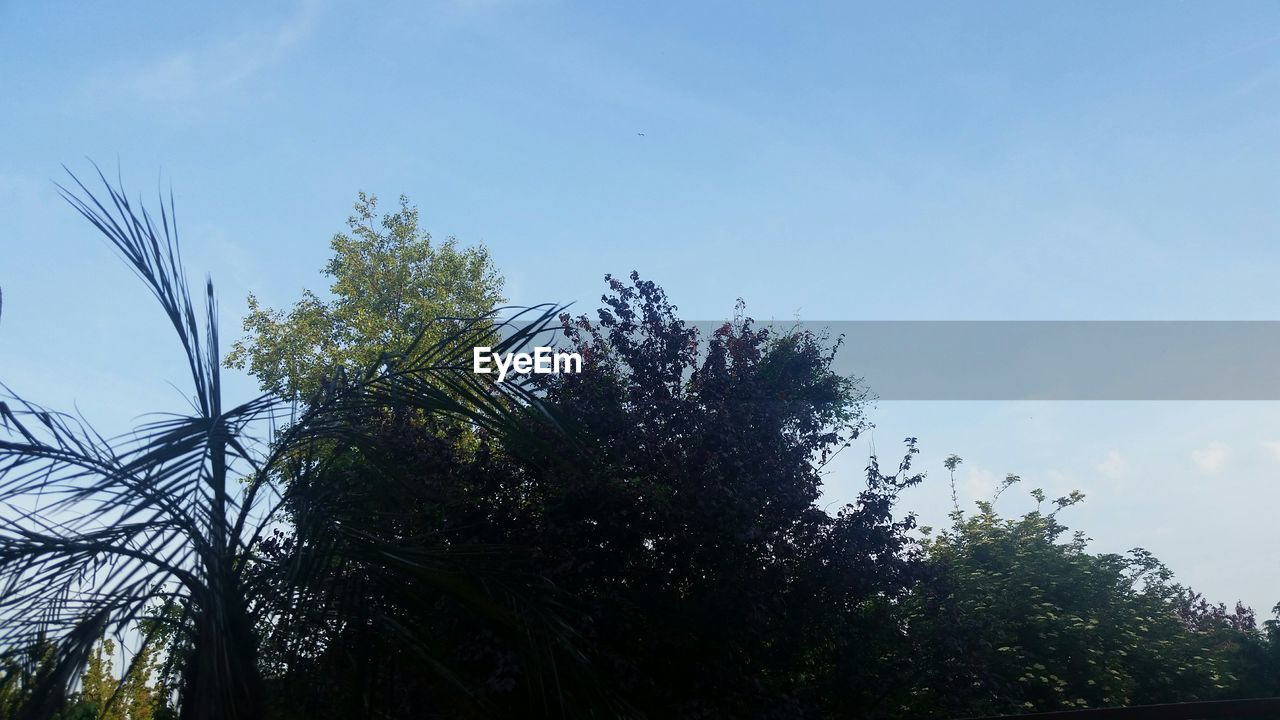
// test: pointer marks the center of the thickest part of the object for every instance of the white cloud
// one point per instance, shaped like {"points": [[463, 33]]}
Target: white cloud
{"points": [[1211, 458], [1057, 483], [1113, 466], [979, 484], [17, 191], [184, 76], [1273, 446]]}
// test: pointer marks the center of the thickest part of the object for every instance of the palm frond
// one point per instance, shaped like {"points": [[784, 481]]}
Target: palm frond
{"points": [[96, 530]]}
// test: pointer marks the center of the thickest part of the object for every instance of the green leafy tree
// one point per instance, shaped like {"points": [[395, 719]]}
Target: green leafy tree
{"points": [[139, 696], [1019, 616], [20, 673], [391, 284], [98, 683]]}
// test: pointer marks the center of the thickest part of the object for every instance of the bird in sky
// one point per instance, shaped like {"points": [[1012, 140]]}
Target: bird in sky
{"points": [[640, 134]]}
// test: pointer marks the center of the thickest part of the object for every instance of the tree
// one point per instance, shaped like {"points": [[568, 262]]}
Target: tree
{"points": [[717, 586], [98, 686], [101, 695], [391, 285], [20, 673], [1018, 616], [132, 697]]}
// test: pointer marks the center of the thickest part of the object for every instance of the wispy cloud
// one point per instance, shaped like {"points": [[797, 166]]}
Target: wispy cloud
{"points": [[979, 484], [19, 188], [1272, 446], [218, 66], [1212, 457], [1113, 466]]}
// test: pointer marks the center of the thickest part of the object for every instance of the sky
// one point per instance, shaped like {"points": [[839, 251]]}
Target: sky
{"points": [[827, 161]]}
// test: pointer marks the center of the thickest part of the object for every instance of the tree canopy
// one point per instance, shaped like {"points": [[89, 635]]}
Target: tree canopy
{"points": [[391, 283], [1018, 616]]}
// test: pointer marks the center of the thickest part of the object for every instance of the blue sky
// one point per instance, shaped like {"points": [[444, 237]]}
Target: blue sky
{"points": [[832, 161]]}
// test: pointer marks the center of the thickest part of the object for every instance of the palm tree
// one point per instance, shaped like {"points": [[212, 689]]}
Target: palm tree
{"points": [[97, 532]]}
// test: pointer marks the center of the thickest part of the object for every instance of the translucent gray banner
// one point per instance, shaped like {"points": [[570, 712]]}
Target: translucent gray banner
{"points": [[1058, 360], [1049, 359], [1128, 360]]}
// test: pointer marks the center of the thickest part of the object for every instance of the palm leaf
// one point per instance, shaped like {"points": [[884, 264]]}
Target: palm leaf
{"points": [[96, 530]]}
